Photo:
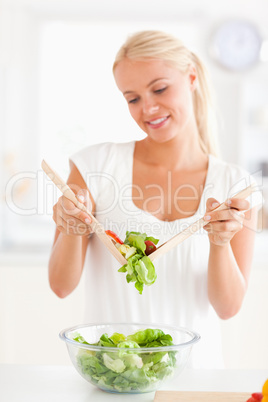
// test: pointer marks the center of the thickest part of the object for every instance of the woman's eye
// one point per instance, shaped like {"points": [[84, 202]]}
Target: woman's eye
{"points": [[134, 100], [159, 91]]}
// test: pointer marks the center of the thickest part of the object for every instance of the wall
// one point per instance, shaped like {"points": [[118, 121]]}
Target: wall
{"points": [[31, 316]]}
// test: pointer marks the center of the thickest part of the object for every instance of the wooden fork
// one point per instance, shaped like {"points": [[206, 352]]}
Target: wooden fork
{"points": [[194, 227], [95, 225]]}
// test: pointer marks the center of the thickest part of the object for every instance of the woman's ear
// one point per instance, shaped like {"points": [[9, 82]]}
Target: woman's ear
{"points": [[193, 77]]}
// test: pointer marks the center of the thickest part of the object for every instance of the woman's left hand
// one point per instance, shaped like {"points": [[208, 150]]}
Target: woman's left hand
{"points": [[224, 224]]}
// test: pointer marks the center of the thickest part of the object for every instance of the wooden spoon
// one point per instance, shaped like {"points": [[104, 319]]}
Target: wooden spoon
{"points": [[194, 227], [95, 225]]}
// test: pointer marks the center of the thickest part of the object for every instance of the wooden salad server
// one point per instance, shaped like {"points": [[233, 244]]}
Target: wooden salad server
{"points": [[194, 227], [201, 396], [95, 225]]}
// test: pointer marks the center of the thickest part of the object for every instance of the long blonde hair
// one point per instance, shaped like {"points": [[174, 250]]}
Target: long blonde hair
{"points": [[160, 45]]}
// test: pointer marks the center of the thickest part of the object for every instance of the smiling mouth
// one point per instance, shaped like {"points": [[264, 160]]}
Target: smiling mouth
{"points": [[157, 122]]}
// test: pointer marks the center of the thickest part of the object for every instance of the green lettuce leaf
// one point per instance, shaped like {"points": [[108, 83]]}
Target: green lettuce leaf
{"points": [[126, 370], [116, 365], [78, 338], [118, 339], [137, 240], [145, 271], [147, 336], [139, 267]]}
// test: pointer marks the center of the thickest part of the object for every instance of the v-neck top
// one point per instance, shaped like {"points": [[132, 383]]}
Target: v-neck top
{"points": [[179, 295]]}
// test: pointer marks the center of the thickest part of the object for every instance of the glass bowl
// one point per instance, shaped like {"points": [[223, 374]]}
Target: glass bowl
{"points": [[128, 368]]}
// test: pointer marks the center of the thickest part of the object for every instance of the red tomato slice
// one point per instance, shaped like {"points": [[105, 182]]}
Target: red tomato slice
{"points": [[257, 395], [114, 236], [150, 247]]}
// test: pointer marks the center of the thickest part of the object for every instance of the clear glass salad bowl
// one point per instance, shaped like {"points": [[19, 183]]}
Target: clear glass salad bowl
{"points": [[128, 358]]}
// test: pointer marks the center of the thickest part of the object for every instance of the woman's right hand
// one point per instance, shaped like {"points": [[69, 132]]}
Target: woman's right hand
{"points": [[69, 219]]}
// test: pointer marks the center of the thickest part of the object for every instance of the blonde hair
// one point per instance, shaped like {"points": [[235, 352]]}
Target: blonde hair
{"points": [[159, 45]]}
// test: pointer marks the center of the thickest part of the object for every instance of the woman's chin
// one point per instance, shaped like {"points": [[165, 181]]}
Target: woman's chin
{"points": [[161, 138]]}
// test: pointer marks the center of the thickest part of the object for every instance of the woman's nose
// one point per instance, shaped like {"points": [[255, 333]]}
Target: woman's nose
{"points": [[150, 107]]}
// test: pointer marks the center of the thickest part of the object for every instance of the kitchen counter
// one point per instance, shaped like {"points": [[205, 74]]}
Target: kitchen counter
{"points": [[19, 383]]}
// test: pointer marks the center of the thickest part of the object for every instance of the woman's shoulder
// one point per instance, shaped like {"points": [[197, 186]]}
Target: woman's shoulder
{"points": [[227, 171], [104, 148], [102, 154], [227, 166], [98, 163], [229, 178]]}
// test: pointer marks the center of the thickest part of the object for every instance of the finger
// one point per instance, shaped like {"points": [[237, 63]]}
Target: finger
{"points": [[69, 222], [78, 219], [231, 226], [238, 203], [75, 221], [84, 197], [70, 209], [211, 204], [66, 205], [70, 227], [224, 215]]}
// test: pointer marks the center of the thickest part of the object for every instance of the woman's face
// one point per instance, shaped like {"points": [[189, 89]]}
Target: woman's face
{"points": [[159, 97]]}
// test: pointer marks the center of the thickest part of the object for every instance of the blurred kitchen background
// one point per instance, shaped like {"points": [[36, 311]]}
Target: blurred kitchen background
{"points": [[57, 94]]}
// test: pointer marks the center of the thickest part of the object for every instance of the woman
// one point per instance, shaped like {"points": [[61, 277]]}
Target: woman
{"points": [[159, 185]]}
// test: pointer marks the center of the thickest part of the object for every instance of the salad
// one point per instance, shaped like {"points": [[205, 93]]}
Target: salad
{"points": [[125, 369], [136, 248]]}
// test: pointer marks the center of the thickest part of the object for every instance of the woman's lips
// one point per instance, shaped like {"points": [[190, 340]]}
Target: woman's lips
{"points": [[159, 122]]}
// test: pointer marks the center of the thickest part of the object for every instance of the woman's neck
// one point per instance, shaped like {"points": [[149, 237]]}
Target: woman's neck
{"points": [[175, 154]]}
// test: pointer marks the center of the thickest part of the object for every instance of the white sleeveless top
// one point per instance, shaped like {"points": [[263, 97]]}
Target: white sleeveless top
{"points": [[179, 295]]}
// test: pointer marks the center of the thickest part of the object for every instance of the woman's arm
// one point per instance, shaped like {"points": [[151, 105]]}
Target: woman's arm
{"points": [[71, 238], [231, 235]]}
